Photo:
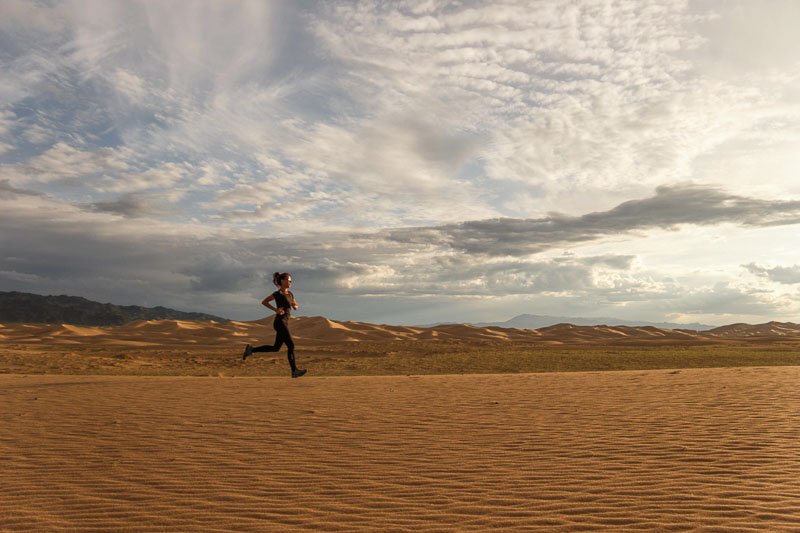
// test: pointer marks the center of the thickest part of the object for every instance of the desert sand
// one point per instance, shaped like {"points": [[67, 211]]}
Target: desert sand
{"points": [[107, 429], [658, 450]]}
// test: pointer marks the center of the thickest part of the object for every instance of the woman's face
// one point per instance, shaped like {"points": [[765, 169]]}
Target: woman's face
{"points": [[286, 282]]}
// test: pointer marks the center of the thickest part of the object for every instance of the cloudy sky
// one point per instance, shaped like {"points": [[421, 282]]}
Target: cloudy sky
{"points": [[408, 162]]}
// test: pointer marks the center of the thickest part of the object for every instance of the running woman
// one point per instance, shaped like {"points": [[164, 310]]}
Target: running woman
{"points": [[284, 299]]}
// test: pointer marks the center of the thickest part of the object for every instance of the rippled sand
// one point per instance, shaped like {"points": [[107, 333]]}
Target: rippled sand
{"points": [[670, 450]]}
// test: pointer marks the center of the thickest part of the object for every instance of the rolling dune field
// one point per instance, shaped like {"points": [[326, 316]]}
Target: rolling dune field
{"points": [[329, 348]]}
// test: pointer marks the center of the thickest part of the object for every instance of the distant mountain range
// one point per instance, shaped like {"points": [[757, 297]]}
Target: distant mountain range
{"points": [[16, 307], [526, 321]]}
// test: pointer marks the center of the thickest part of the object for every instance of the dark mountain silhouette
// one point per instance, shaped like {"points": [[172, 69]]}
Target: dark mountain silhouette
{"points": [[34, 308]]}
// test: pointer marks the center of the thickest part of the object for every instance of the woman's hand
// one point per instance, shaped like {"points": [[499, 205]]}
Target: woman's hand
{"points": [[295, 306], [281, 311]]}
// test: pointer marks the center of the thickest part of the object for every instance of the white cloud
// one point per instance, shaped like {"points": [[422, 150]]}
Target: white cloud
{"points": [[576, 97], [6, 122], [64, 161], [743, 36], [164, 177], [21, 15], [130, 85]]}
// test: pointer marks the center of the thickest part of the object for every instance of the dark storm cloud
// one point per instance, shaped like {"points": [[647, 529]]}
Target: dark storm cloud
{"points": [[128, 205], [51, 247], [84, 249], [785, 275], [618, 262], [221, 272], [8, 191], [669, 208], [80, 251], [87, 252]]}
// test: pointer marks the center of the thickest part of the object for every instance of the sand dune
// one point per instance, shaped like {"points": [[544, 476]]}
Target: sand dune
{"points": [[323, 329], [688, 450], [75, 331], [770, 329], [320, 330]]}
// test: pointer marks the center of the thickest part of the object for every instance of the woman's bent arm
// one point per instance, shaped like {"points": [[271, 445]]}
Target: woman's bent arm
{"points": [[265, 302]]}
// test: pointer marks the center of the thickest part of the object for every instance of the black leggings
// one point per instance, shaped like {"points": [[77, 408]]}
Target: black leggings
{"points": [[282, 335]]}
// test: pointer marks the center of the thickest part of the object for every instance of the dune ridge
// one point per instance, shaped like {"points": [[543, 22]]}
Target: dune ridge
{"points": [[321, 330]]}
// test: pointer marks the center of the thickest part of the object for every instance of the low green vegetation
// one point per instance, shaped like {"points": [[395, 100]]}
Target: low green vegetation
{"points": [[422, 357], [516, 359]]}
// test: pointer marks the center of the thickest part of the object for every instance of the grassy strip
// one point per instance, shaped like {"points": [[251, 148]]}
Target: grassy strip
{"points": [[517, 360], [435, 357]]}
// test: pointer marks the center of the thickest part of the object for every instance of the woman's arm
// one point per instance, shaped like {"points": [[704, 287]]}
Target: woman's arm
{"points": [[266, 302], [293, 303]]}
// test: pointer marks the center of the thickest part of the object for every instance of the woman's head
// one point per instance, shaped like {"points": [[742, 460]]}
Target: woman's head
{"points": [[282, 280]]}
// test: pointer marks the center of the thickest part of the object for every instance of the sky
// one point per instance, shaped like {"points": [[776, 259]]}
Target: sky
{"points": [[407, 162]]}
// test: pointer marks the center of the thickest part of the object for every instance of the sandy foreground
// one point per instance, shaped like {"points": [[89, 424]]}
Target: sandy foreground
{"points": [[670, 450]]}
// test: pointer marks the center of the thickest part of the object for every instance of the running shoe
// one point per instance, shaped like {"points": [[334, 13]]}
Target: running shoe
{"points": [[299, 372]]}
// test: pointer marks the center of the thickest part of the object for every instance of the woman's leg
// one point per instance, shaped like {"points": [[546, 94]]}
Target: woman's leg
{"points": [[287, 338], [269, 347], [282, 336], [279, 340]]}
